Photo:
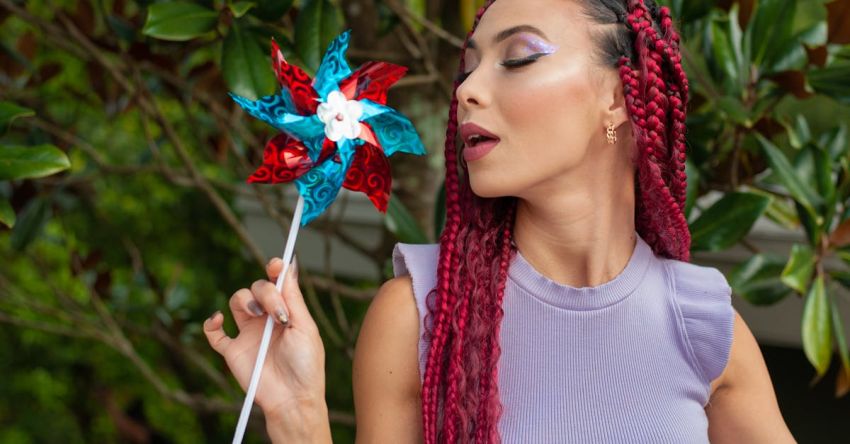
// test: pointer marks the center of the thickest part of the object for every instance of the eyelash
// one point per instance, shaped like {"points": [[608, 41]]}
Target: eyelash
{"points": [[510, 64]]}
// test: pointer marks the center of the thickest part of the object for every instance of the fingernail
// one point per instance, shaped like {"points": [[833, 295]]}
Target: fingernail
{"points": [[213, 315], [281, 316], [254, 308]]}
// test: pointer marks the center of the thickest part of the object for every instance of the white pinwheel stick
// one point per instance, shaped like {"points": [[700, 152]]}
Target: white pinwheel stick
{"points": [[267, 332]]}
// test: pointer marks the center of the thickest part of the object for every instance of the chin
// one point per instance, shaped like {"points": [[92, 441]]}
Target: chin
{"points": [[490, 187]]}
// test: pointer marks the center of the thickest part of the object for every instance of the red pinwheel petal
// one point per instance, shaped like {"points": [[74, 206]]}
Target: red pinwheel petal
{"points": [[284, 160], [370, 173], [371, 81], [293, 78]]}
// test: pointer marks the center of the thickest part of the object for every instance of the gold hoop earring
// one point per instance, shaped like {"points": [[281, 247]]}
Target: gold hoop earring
{"points": [[611, 134]]}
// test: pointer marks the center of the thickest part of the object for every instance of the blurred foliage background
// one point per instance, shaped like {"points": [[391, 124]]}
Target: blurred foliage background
{"points": [[121, 157]]}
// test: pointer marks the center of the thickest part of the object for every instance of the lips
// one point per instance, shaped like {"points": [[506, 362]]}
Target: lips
{"points": [[473, 134], [478, 141]]}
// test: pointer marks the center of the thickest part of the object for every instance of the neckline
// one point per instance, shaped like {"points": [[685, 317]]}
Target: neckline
{"points": [[583, 298]]}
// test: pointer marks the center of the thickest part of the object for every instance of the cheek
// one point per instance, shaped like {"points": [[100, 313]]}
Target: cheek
{"points": [[548, 111]]}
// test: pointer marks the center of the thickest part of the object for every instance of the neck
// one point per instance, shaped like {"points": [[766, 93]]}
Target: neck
{"points": [[582, 237]]}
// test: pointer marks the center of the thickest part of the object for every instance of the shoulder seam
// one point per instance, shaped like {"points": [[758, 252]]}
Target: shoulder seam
{"points": [[680, 321]]}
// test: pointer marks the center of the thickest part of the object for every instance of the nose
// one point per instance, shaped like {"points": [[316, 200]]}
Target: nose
{"points": [[472, 93]]}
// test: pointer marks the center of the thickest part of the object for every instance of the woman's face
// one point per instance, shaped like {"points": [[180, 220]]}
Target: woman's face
{"points": [[534, 83]]}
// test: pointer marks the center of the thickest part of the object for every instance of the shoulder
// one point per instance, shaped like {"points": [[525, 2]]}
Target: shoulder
{"points": [[385, 373], [703, 299], [388, 339]]}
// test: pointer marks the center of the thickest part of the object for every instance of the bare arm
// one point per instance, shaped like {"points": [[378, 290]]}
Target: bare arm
{"points": [[743, 408], [386, 369]]}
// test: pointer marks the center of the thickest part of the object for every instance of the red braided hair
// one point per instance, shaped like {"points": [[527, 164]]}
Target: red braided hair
{"points": [[460, 400]]}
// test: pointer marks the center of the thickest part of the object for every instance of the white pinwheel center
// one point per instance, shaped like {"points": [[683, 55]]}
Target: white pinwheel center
{"points": [[340, 116]]}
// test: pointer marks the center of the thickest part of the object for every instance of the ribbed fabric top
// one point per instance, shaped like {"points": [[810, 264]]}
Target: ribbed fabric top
{"points": [[627, 361]]}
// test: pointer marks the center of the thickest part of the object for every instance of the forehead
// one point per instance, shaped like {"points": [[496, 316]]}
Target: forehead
{"points": [[559, 20]]}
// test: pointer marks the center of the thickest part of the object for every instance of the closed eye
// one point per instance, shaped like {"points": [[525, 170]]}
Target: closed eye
{"points": [[510, 64]]}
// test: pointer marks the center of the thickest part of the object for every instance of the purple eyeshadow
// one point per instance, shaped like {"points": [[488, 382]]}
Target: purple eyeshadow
{"points": [[537, 45]]}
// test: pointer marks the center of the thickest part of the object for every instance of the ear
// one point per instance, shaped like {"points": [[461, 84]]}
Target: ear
{"points": [[614, 100]]}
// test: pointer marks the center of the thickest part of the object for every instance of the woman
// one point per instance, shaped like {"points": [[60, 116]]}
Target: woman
{"points": [[559, 305]]}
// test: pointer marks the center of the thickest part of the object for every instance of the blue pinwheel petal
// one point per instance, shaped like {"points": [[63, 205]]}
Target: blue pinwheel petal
{"points": [[314, 146], [268, 108], [333, 68], [301, 127], [396, 133], [372, 109], [320, 185]]}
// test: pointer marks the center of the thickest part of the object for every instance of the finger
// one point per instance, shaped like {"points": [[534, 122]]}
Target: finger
{"points": [[244, 307], [270, 300], [292, 295], [213, 329], [273, 268]]}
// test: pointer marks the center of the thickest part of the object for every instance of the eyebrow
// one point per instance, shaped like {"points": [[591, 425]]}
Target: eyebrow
{"points": [[502, 35]]}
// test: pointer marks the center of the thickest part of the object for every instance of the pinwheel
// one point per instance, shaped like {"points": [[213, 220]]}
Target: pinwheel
{"points": [[336, 131]]}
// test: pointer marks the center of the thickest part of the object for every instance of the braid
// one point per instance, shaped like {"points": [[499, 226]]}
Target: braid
{"points": [[678, 98], [442, 299], [660, 150], [433, 372]]}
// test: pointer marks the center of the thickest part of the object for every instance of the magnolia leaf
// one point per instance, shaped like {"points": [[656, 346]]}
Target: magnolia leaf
{"points": [[7, 213], [29, 162], [799, 268], [817, 327], [727, 221], [179, 21]]}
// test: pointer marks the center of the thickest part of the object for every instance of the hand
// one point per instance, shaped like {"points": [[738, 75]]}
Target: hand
{"points": [[293, 374]]}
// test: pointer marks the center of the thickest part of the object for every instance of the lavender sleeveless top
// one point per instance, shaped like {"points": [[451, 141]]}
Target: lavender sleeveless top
{"points": [[628, 361]]}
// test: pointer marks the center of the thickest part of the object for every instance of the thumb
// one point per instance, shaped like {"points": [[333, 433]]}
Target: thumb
{"points": [[214, 331]]}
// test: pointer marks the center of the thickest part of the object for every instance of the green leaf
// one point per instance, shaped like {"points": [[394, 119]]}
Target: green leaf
{"points": [[29, 225], [799, 133], [780, 212], [690, 10], [179, 21], [825, 184], [758, 279], [734, 110], [7, 213], [817, 327], [241, 8], [402, 224], [786, 174], [835, 142], [317, 24], [832, 81], [769, 37], [838, 327], [272, 10], [724, 38], [9, 112], [727, 221], [245, 67], [798, 270], [25, 162]]}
